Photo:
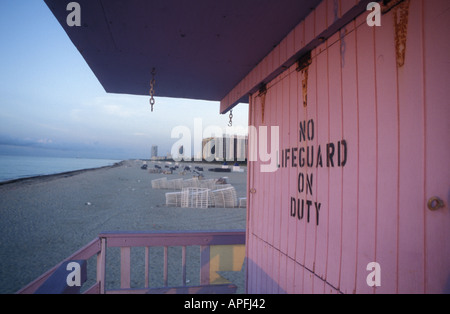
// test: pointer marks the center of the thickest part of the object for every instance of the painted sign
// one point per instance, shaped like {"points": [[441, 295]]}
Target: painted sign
{"points": [[327, 155]]}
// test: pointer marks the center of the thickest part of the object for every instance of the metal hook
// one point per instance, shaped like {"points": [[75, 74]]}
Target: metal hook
{"points": [[152, 90], [230, 123]]}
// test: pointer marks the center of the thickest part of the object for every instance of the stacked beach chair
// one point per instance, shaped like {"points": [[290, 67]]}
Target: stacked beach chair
{"points": [[195, 198], [176, 184], [190, 183], [207, 184], [173, 199], [159, 183], [225, 197], [195, 193]]}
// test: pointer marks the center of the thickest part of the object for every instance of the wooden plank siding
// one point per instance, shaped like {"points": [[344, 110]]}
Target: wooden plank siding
{"points": [[392, 122], [435, 56], [329, 16]]}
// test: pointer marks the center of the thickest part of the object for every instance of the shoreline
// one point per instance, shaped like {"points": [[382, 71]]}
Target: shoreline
{"points": [[59, 174], [117, 164]]}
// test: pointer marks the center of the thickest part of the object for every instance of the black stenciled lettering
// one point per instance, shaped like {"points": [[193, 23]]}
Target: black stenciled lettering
{"points": [[310, 156], [306, 130], [319, 157], [293, 207], [298, 209], [300, 213], [300, 157], [302, 131], [330, 154], [309, 183], [317, 205], [309, 203], [344, 157], [301, 182], [287, 153], [311, 129], [294, 156]]}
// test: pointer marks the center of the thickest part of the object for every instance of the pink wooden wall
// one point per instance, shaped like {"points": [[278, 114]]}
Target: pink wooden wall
{"points": [[395, 122]]}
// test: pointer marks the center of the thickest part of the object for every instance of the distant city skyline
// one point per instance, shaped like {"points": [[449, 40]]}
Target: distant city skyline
{"points": [[53, 105]]}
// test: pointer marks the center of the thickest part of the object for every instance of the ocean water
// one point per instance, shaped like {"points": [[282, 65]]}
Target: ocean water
{"points": [[17, 167]]}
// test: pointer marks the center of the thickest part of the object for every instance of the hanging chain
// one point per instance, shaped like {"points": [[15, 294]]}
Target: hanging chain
{"points": [[230, 124], [152, 89]]}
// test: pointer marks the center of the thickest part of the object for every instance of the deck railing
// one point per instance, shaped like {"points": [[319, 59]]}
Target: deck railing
{"points": [[208, 242]]}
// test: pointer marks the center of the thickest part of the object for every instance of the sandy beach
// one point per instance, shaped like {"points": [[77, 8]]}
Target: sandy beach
{"points": [[43, 220]]}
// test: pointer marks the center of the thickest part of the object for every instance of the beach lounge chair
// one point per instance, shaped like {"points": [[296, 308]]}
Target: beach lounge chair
{"points": [[175, 184], [195, 198], [160, 183], [207, 184], [191, 183], [173, 199], [225, 198]]}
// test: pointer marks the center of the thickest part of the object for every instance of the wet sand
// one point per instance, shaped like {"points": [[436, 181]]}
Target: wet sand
{"points": [[44, 220]]}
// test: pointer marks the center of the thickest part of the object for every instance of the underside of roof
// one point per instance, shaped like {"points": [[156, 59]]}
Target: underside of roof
{"points": [[200, 49]]}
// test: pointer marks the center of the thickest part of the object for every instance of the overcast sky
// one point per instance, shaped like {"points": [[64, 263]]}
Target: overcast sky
{"points": [[51, 104]]}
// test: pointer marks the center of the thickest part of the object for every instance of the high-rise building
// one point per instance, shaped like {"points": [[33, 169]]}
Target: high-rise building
{"points": [[154, 151]]}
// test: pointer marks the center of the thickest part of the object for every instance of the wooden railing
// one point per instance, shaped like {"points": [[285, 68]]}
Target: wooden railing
{"points": [[147, 240], [90, 250]]}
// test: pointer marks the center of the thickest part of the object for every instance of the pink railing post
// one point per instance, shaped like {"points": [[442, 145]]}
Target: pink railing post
{"points": [[125, 268], [166, 266], [147, 267], [183, 263], [101, 266], [204, 264]]}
